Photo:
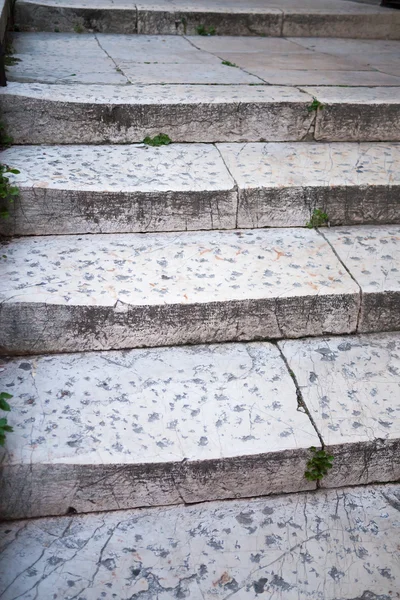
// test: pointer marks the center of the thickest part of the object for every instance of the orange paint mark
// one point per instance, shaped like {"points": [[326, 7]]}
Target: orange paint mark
{"points": [[278, 254], [205, 251]]}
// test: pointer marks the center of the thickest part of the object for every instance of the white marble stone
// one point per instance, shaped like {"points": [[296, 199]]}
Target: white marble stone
{"points": [[92, 189], [59, 69], [357, 78], [357, 114], [228, 411], [280, 184], [372, 255], [351, 386], [185, 73], [43, 113], [328, 545], [71, 293]]}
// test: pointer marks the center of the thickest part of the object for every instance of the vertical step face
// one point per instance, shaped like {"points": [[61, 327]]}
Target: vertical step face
{"points": [[332, 544], [319, 18], [74, 293], [351, 386], [117, 430]]}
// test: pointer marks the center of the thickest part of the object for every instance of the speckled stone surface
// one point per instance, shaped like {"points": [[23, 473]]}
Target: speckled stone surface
{"points": [[328, 545], [72, 293], [229, 412], [351, 386], [372, 255], [280, 184], [92, 189], [45, 113], [256, 17], [372, 114]]}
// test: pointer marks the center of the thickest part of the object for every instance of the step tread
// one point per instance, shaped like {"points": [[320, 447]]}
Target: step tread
{"points": [[197, 423], [138, 59], [308, 546], [179, 187], [155, 289]]}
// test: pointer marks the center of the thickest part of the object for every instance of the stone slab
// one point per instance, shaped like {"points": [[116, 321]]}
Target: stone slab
{"points": [[357, 114], [388, 77], [75, 293], [115, 189], [59, 69], [290, 18], [43, 113], [186, 73], [280, 184], [372, 256], [321, 546], [208, 422], [351, 386], [303, 60]]}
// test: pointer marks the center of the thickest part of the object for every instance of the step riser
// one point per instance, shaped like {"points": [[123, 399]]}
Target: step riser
{"points": [[39, 328], [35, 121], [274, 23], [54, 212], [38, 490]]}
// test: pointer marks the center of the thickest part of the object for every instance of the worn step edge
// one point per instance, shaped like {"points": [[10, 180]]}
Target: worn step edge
{"points": [[180, 187], [117, 430], [49, 114], [98, 292], [357, 21]]}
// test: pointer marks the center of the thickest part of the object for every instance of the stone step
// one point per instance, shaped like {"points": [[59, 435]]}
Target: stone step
{"points": [[321, 546], [329, 18], [62, 58], [137, 188], [113, 291], [38, 113], [77, 293], [123, 429]]}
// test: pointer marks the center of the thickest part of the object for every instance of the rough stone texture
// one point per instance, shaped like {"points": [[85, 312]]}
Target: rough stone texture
{"points": [[70, 293], [372, 256], [280, 184], [43, 113], [351, 386], [273, 18], [113, 429], [328, 545], [357, 114], [94, 189]]}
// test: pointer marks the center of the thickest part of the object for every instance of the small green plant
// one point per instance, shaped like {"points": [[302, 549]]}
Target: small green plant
{"points": [[10, 61], [78, 28], [162, 139], [4, 427], [315, 105], [318, 219], [318, 465], [227, 63], [7, 191], [56, 30], [203, 30]]}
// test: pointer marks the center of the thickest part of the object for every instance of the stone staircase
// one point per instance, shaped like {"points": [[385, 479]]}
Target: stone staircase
{"points": [[181, 324]]}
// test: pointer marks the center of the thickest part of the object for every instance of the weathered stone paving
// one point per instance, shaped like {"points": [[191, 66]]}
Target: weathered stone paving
{"points": [[73, 293], [328, 545], [372, 255], [137, 188], [105, 431], [351, 386]]}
